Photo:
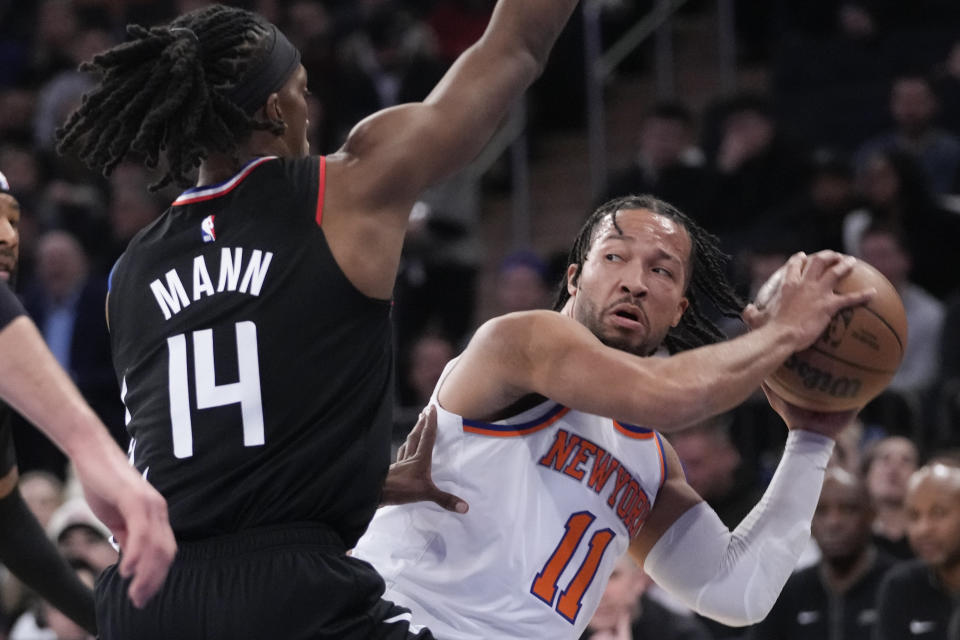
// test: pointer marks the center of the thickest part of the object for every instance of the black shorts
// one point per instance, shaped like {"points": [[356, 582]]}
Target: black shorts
{"points": [[275, 583]]}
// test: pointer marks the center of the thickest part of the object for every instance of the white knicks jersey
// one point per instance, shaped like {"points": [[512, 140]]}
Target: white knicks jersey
{"points": [[555, 497]]}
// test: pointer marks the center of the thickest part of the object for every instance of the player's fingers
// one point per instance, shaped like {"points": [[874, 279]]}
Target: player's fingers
{"points": [[402, 452], [854, 298], [821, 261], [413, 438], [794, 267], [841, 268], [752, 316], [148, 567], [149, 550], [429, 433], [449, 501]]}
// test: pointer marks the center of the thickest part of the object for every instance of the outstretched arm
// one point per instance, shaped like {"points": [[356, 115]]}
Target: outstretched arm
{"points": [[402, 150], [393, 155], [33, 383], [545, 353], [736, 577]]}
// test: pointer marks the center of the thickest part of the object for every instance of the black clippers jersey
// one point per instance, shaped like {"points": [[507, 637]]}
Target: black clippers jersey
{"points": [[257, 379]]}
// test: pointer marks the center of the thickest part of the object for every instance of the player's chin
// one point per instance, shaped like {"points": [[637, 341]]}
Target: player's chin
{"points": [[631, 343]]}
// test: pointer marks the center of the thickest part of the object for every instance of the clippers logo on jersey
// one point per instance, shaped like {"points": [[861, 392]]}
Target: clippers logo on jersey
{"points": [[207, 229], [570, 453]]}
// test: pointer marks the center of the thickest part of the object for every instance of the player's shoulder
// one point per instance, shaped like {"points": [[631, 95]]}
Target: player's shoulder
{"points": [[293, 171], [521, 325]]}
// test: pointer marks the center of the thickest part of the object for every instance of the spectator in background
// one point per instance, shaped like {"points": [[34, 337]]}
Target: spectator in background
{"points": [[712, 465], [436, 283], [422, 365], [896, 193], [914, 107], [626, 612], [458, 24], [391, 59], [667, 164], [882, 247], [46, 622], [522, 283], [919, 599], [836, 597], [80, 535], [57, 29], [887, 466], [66, 301], [131, 208], [43, 492], [813, 219], [947, 83], [755, 168], [17, 108]]}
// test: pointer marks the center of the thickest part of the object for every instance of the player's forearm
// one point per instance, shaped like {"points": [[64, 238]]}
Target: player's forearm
{"points": [[704, 382], [34, 384], [736, 577], [530, 26], [26, 551]]}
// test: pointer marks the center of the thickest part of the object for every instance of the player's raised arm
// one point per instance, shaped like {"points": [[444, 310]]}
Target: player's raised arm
{"points": [[394, 154]]}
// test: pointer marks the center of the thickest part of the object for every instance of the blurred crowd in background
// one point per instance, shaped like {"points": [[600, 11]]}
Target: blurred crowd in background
{"points": [[854, 145]]}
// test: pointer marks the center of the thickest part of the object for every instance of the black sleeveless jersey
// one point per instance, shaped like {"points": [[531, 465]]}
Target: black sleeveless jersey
{"points": [[257, 378]]}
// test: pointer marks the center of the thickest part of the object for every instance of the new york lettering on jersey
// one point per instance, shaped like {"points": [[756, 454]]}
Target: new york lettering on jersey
{"points": [[555, 496]]}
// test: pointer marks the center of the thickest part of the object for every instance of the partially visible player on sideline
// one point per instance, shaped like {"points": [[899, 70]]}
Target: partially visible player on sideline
{"points": [[547, 426], [250, 324], [32, 382]]}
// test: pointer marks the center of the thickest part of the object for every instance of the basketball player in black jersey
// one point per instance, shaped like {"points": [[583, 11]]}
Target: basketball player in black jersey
{"points": [[31, 380], [250, 323]]}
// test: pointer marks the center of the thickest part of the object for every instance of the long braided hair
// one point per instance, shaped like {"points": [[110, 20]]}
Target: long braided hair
{"points": [[164, 93], [708, 283]]}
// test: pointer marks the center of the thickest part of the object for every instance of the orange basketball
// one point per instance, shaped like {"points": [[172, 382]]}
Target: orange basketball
{"points": [[857, 355]]}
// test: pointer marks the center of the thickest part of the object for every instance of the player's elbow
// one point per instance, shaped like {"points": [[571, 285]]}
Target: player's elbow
{"points": [[740, 614]]}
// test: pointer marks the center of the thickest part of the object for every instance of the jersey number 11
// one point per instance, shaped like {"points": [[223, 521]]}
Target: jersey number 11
{"points": [[545, 584]]}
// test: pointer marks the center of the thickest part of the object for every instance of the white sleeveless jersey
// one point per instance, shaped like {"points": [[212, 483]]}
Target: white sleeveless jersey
{"points": [[555, 496]]}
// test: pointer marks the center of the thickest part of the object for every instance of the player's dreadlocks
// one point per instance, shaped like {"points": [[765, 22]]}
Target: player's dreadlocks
{"points": [[708, 282], [165, 91]]}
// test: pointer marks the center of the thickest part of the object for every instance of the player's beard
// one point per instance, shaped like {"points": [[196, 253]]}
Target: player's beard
{"points": [[591, 317]]}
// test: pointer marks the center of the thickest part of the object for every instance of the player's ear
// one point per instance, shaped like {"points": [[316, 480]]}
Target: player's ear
{"points": [[681, 307], [272, 110], [573, 278]]}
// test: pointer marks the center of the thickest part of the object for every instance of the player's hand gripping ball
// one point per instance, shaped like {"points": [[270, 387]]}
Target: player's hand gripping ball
{"points": [[856, 356]]}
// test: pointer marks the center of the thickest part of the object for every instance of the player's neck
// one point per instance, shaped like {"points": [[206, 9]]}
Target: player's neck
{"points": [[220, 167]]}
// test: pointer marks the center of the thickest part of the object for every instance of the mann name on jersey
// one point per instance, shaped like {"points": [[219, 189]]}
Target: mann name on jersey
{"points": [[238, 271]]}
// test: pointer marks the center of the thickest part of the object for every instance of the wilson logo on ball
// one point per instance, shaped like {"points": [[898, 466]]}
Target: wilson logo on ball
{"points": [[814, 378]]}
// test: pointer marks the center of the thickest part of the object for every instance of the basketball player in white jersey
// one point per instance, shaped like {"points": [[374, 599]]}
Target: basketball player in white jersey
{"points": [[547, 425]]}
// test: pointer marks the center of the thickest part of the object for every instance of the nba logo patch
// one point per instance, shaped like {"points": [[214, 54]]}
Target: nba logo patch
{"points": [[206, 228]]}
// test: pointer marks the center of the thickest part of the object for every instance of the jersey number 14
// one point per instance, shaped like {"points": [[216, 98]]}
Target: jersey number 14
{"points": [[245, 391]]}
